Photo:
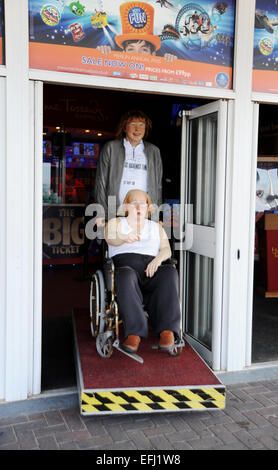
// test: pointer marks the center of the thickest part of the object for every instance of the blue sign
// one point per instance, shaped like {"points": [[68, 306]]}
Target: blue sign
{"points": [[137, 18]]}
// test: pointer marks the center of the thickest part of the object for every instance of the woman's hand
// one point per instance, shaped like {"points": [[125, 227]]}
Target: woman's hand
{"points": [[130, 237], [153, 267]]}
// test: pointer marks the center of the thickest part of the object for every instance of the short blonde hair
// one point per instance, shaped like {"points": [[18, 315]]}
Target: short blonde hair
{"points": [[148, 200]]}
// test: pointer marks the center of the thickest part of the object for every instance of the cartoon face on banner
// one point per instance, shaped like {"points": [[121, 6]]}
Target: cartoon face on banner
{"points": [[157, 40], [265, 57]]}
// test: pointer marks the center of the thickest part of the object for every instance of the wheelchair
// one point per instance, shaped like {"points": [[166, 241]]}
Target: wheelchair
{"points": [[105, 318]]}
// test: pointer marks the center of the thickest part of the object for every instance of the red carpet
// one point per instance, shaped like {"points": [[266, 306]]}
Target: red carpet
{"points": [[63, 289], [119, 371]]}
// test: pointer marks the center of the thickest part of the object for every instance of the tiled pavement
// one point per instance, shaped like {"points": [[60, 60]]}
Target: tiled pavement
{"points": [[249, 421]]}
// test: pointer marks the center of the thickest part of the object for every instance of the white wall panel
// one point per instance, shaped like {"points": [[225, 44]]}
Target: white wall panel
{"points": [[238, 204], [19, 205], [2, 236]]}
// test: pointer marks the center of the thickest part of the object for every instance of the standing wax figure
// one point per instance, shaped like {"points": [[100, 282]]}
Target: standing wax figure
{"points": [[129, 162], [138, 247]]}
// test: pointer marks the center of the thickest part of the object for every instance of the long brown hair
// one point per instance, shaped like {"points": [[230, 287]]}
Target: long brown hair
{"points": [[128, 116]]}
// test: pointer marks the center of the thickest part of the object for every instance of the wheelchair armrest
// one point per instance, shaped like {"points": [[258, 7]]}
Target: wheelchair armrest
{"points": [[172, 261], [109, 264], [108, 271]]}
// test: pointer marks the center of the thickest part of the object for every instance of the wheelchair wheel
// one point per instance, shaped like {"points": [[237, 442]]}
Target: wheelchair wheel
{"points": [[97, 304], [104, 344]]}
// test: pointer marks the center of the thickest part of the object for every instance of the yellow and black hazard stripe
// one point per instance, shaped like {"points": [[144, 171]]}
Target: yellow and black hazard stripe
{"points": [[152, 400]]}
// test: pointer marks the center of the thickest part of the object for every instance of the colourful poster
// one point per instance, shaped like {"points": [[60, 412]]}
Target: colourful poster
{"points": [[174, 41], [1, 32], [265, 58]]}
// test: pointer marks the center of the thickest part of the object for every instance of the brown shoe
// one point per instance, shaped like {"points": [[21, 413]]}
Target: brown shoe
{"points": [[166, 339], [131, 343]]}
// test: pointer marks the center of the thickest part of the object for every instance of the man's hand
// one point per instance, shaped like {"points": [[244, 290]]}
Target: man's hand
{"points": [[169, 57], [104, 49]]}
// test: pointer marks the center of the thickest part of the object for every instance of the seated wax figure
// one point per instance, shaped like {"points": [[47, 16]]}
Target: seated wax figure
{"points": [[138, 247]]}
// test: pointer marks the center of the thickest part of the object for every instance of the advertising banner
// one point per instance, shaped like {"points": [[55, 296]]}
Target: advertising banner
{"points": [[1, 32], [174, 41], [265, 58]]}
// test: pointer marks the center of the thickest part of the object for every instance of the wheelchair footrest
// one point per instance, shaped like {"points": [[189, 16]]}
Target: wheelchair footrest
{"points": [[137, 358], [174, 350]]}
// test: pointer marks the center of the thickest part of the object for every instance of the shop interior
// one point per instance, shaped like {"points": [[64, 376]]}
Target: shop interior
{"points": [[77, 122], [265, 300]]}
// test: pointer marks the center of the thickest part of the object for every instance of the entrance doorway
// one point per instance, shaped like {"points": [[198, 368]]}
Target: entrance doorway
{"points": [[77, 122], [203, 161], [265, 295]]}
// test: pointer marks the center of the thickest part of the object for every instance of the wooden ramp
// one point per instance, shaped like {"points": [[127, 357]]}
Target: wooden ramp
{"points": [[121, 385]]}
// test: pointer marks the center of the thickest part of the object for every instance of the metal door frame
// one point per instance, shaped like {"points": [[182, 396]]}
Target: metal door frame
{"points": [[220, 106]]}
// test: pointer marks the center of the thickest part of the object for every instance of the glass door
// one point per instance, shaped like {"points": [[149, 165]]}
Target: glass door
{"points": [[202, 196]]}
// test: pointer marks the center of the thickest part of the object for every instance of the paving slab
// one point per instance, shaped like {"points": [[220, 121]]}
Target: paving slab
{"points": [[248, 422]]}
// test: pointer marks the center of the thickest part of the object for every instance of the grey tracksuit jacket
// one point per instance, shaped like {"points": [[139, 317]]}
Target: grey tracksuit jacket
{"points": [[110, 170]]}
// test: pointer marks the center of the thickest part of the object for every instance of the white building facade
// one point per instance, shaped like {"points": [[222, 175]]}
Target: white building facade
{"points": [[21, 125]]}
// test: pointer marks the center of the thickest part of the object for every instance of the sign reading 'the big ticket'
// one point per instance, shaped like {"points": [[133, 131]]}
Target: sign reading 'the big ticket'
{"points": [[174, 41]]}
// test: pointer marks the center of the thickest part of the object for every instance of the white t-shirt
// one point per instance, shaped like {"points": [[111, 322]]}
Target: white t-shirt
{"points": [[149, 243], [135, 170]]}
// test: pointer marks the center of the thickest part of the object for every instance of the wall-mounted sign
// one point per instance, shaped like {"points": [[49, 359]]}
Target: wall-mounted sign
{"points": [[63, 235], [1, 32], [63, 232], [265, 58], [174, 41]]}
